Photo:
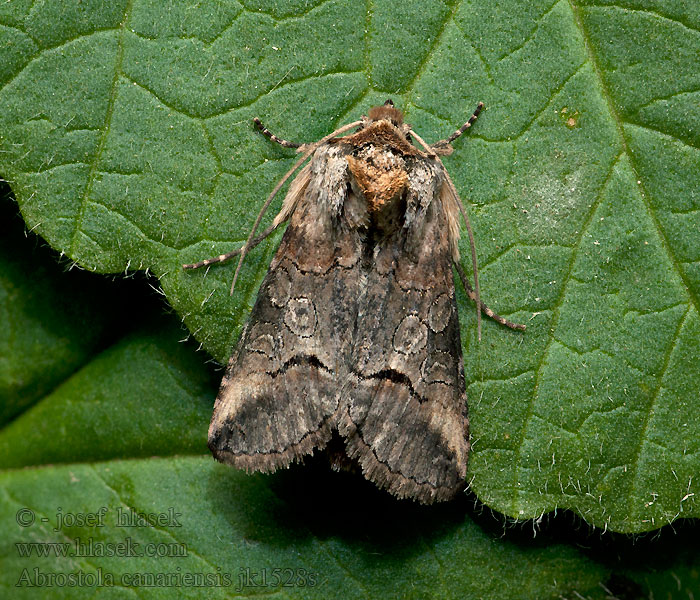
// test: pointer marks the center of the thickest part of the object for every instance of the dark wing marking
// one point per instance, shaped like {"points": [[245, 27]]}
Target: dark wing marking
{"points": [[404, 411], [279, 398]]}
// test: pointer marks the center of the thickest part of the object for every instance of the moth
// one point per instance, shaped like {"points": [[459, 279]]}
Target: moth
{"points": [[355, 331]]}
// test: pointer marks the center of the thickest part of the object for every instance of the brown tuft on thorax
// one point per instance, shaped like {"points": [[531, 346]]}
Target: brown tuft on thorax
{"points": [[380, 175], [377, 162]]}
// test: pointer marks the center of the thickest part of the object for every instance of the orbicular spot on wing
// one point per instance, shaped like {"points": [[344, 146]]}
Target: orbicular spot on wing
{"points": [[261, 350], [300, 316], [410, 336], [264, 344]]}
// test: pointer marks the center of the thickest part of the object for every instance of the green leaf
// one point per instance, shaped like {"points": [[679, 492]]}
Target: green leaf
{"points": [[210, 528], [125, 132], [147, 395], [129, 427], [40, 318]]}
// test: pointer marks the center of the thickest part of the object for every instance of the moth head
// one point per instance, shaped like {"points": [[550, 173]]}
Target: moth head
{"points": [[386, 112]]}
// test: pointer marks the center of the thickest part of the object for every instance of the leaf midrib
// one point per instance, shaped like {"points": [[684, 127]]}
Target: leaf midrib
{"points": [[630, 156], [105, 129], [592, 59]]}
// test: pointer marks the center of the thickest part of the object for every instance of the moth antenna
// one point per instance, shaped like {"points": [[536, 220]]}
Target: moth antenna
{"points": [[312, 148], [267, 133], [428, 149], [464, 127], [472, 246]]}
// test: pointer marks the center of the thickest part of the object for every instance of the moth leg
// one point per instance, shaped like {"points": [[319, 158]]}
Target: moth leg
{"points": [[485, 309], [267, 133], [445, 143], [224, 257]]}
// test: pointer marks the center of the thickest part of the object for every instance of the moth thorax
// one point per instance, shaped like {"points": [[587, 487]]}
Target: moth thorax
{"points": [[379, 175]]}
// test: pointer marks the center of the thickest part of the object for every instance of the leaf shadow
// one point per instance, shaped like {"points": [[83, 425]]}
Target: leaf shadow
{"points": [[310, 501]]}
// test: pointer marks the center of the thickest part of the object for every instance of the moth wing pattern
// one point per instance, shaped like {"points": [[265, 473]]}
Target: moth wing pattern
{"points": [[355, 329], [405, 417], [279, 398]]}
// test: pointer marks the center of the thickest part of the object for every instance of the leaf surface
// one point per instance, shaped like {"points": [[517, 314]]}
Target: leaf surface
{"points": [[124, 435], [125, 132]]}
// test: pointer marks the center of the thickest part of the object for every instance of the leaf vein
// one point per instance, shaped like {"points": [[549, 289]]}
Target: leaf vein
{"points": [[549, 103], [343, 568], [105, 128], [652, 13], [433, 48], [41, 51], [638, 176], [532, 33], [663, 98], [156, 527], [501, 379], [634, 463], [663, 133], [289, 17], [264, 93]]}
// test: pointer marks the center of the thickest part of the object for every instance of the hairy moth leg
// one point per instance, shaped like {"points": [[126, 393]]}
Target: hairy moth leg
{"points": [[485, 309]]}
